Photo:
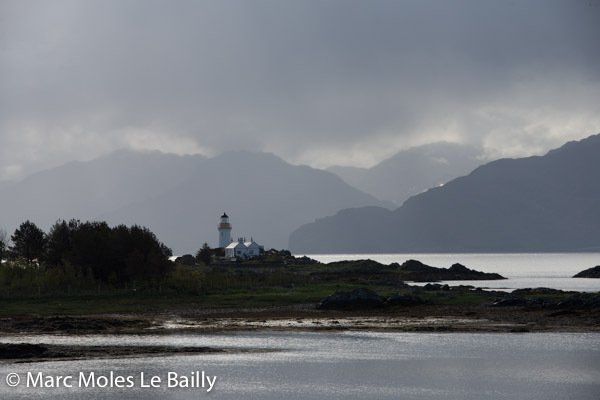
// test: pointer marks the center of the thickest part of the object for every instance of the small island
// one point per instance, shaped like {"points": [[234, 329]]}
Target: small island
{"points": [[589, 273]]}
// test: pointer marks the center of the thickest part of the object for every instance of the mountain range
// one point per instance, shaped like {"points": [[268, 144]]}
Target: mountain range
{"points": [[180, 198], [414, 170], [544, 203]]}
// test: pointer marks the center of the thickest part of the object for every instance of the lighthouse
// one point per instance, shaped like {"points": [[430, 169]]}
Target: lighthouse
{"points": [[224, 231]]}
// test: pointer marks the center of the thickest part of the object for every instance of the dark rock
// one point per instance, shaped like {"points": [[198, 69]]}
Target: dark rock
{"points": [[460, 272], [539, 290], [21, 350], [406, 300], [74, 324], [416, 266], [511, 301], [359, 298], [417, 271], [589, 273], [360, 266], [573, 301], [459, 269]]}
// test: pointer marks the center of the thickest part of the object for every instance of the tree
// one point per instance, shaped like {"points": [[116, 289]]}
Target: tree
{"points": [[204, 254], [28, 241], [92, 249], [3, 243], [59, 243]]}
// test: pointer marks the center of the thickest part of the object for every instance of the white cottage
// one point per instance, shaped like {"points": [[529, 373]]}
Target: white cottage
{"points": [[243, 249], [236, 249], [253, 249]]}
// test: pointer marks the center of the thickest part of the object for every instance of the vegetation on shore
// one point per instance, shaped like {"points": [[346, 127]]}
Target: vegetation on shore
{"points": [[90, 268]]}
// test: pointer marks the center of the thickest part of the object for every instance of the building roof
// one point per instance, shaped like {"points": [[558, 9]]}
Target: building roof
{"points": [[224, 215]]}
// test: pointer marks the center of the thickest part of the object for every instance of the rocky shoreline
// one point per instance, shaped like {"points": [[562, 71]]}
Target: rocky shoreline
{"points": [[424, 318], [508, 310], [433, 308]]}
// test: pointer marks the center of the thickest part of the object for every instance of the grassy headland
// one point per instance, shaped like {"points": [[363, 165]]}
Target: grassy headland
{"points": [[276, 280]]}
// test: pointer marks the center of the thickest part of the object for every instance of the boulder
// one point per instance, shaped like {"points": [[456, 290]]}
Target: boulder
{"points": [[360, 298]]}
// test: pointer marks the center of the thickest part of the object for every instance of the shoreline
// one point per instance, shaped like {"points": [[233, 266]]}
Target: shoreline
{"points": [[299, 318], [306, 317], [422, 318]]}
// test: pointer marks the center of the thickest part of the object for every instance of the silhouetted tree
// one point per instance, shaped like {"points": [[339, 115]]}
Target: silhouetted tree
{"points": [[28, 241], [92, 249], [73, 250], [204, 254], [60, 241]]}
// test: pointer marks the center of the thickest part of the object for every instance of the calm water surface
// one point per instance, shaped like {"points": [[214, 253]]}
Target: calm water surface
{"points": [[553, 270], [348, 365]]}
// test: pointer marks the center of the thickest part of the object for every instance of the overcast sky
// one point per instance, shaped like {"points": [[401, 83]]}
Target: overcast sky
{"points": [[317, 82]]}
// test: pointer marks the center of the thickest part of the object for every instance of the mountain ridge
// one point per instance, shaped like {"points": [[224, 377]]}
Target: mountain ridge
{"points": [[412, 171], [539, 203], [180, 198]]}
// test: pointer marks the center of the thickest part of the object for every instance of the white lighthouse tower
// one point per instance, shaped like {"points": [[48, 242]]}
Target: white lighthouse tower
{"points": [[224, 231]]}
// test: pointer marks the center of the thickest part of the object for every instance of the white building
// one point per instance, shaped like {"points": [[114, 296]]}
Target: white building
{"points": [[241, 248], [253, 248]]}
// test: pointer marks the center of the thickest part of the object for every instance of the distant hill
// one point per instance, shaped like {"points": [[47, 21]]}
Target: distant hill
{"points": [[413, 171], [85, 190], [180, 198], [265, 198], [547, 203]]}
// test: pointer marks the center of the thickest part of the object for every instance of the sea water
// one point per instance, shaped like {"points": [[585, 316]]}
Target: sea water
{"points": [[335, 365], [527, 270]]}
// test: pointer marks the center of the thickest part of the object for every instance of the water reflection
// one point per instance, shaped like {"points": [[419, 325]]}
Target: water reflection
{"points": [[341, 365]]}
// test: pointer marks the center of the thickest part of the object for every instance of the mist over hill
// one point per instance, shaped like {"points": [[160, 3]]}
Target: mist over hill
{"points": [[180, 198], [413, 171], [265, 197], [544, 203]]}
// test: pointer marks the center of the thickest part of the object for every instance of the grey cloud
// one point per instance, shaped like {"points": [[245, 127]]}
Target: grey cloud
{"points": [[293, 77]]}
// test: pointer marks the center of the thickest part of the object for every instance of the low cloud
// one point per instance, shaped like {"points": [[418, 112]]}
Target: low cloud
{"points": [[320, 83]]}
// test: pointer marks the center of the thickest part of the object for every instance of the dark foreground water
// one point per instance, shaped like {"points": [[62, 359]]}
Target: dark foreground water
{"points": [[348, 365]]}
